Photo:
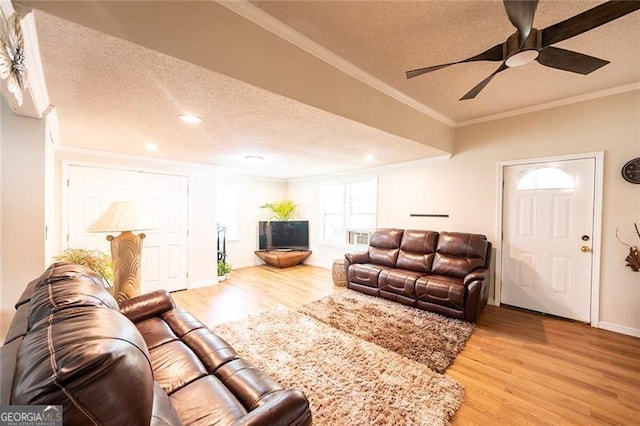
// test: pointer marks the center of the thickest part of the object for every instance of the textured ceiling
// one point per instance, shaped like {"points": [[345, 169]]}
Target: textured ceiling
{"points": [[387, 38], [115, 95]]}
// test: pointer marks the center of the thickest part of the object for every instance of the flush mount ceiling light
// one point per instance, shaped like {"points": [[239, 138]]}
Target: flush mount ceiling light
{"points": [[190, 118], [521, 58], [151, 147], [370, 157], [255, 158]]}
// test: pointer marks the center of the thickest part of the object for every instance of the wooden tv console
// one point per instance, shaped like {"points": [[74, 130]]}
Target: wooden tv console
{"points": [[283, 258]]}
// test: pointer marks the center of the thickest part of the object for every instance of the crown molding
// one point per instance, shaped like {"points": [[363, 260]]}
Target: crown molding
{"points": [[271, 24], [67, 152], [567, 101], [375, 169], [37, 87]]}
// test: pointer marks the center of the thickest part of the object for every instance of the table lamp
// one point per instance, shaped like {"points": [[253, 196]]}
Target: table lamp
{"points": [[126, 248]]}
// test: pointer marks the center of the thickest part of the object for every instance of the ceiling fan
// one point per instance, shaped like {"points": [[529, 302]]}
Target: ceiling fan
{"points": [[528, 43]]}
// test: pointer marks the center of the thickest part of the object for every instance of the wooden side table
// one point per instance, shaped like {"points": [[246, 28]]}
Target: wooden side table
{"points": [[338, 273]]}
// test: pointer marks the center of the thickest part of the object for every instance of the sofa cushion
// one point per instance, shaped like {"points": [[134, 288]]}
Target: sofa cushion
{"points": [[458, 254], [82, 357], [175, 366], [71, 292], [399, 281], [417, 250], [207, 401], [163, 413], [441, 290], [364, 274], [384, 246]]}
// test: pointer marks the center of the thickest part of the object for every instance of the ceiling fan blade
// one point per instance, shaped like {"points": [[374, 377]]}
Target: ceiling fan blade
{"points": [[474, 92], [569, 61], [588, 20], [521, 13], [493, 54]]}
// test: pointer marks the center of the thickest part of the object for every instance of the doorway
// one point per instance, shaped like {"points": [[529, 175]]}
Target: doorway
{"points": [[550, 236]]}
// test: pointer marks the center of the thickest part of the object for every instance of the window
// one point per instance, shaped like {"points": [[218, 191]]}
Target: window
{"points": [[349, 211], [546, 178]]}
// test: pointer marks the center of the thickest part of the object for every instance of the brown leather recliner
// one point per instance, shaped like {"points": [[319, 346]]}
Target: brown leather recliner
{"points": [[145, 362], [447, 273]]}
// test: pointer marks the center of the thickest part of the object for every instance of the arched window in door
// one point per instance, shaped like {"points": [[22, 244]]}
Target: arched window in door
{"points": [[546, 178]]}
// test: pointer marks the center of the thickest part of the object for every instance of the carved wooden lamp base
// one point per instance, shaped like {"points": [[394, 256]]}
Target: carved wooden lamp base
{"points": [[126, 248], [126, 251]]}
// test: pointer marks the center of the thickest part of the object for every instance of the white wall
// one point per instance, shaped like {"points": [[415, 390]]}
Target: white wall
{"points": [[252, 193], [465, 187], [23, 206], [202, 203], [610, 124]]}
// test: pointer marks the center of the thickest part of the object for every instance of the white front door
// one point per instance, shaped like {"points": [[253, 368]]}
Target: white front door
{"points": [[548, 225], [163, 203]]}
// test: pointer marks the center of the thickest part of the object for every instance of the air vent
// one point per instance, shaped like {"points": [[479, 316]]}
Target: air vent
{"points": [[360, 238]]}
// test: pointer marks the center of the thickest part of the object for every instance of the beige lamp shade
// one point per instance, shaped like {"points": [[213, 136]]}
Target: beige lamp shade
{"points": [[119, 217]]}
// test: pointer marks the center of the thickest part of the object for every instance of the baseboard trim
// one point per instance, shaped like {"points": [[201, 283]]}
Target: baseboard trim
{"points": [[619, 328]]}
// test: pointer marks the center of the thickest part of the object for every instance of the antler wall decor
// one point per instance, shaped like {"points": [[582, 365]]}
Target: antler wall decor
{"points": [[12, 56], [633, 259]]}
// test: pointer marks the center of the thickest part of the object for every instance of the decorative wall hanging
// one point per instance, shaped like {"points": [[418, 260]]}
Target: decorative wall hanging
{"points": [[631, 171], [12, 64], [633, 259]]}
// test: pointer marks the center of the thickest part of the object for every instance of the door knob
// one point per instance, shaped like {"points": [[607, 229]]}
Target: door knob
{"points": [[585, 249]]}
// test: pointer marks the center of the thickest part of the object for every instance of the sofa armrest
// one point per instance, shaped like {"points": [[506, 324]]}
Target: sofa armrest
{"points": [[285, 407], [357, 257], [147, 305], [481, 274]]}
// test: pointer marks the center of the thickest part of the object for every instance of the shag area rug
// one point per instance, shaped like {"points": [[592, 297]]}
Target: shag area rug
{"points": [[429, 338], [347, 380]]}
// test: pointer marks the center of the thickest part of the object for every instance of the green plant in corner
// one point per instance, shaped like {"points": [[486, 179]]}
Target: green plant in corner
{"points": [[224, 268], [281, 210], [95, 260]]}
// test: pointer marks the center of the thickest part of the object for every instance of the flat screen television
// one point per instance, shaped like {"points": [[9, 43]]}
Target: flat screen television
{"points": [[278, 235]]}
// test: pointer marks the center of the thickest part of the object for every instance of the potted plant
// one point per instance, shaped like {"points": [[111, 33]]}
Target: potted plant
{"points": [[95, 260], [224, 270], [281, 210]]}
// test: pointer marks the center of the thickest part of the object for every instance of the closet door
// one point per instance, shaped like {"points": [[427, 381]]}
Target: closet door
{"points": [[162, 201]]}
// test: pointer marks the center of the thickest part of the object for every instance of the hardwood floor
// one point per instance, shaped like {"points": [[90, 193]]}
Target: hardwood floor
{"points": [[517, 368]]}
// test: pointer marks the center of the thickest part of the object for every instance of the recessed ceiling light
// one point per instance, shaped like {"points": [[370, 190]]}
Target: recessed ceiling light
{"points": [[190, 118], [254, 157], [151, 147], [370, 157]]}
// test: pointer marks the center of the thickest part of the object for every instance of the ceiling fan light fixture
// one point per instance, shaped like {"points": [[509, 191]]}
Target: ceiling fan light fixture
{"points": [[522, 58]]}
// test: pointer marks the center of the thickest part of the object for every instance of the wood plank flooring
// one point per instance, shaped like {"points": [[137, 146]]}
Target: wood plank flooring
{"points": [[517, 368]]}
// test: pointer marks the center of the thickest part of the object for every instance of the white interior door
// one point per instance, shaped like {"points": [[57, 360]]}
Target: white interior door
{"points": [[548, 224], [163, 204]]}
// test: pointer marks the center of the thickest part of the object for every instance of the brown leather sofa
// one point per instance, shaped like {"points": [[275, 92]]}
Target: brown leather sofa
{"points": [[143, 363], [446, 273]]}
